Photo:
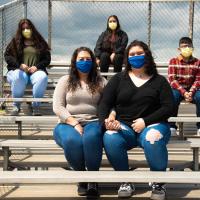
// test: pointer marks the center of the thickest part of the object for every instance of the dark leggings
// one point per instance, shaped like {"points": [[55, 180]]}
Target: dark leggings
{"points": [[105, 62]]}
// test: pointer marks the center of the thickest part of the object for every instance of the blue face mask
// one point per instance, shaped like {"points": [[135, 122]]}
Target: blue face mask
{"points": [[84, 66], [137, 61]]}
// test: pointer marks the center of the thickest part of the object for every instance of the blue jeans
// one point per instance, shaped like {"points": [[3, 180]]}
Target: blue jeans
{"points": [[81, 151], [117, 144], [178, 98], [19, 79]]}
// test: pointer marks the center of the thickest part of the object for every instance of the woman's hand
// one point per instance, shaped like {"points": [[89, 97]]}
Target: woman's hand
{"points": [[73, 122], [32, 69], [138, 125], [111, 117], [79, 128], [112, 125], [97, 61], [112, 57], [24, 67]]}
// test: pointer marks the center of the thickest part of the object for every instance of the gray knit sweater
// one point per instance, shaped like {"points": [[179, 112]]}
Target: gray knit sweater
{"points": [[80, 104]]}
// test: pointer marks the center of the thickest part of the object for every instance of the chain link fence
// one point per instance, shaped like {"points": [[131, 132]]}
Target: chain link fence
{"points": [[10, 14], [196, 29], [68, 24]]}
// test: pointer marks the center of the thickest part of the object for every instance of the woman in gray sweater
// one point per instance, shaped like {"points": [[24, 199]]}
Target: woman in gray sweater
{"points": [[75, 101]]}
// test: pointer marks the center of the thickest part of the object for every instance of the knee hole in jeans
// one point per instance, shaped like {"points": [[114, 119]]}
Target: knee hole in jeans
{"points": [[153, 136]]}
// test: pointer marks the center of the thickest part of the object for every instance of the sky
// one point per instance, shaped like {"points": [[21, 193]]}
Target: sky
{"points": [[4, 2], [78, 24]]}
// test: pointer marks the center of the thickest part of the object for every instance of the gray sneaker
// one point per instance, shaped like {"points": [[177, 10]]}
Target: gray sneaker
{"points": [[15, 111], [126, 190], [36, 111], [158, 191], [173, 132]]}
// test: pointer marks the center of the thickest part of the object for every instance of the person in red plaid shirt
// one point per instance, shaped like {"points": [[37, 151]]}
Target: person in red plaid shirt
{"points": [[184, 78]]}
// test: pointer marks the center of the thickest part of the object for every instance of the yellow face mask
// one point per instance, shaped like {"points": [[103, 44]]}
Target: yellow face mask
{"points": [[27, 33], [186, 52], [112, 25]]}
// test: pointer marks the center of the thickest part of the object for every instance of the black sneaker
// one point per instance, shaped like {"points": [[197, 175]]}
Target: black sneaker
{"points": [[126, 190], [92, 191], [36, 111], [158, 191], [30, 108], [15, 111], [82, 189]]}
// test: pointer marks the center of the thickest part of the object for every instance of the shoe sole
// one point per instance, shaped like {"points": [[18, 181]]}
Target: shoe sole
{"points": [[157, 197], [82, 193], [124, 195]]}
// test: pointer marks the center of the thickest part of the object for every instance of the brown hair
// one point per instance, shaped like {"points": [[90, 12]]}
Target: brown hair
{"points": [[93, 79], [17, 43], [150, 66]]}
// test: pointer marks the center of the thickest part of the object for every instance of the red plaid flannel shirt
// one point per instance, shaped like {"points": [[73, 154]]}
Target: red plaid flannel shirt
{"points": [[184, 76]]}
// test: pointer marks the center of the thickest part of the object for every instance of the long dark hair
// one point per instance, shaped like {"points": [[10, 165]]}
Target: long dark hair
{"points": [[17, 43], [108, 34], [118, 24], [93, 80], [150, 66]]}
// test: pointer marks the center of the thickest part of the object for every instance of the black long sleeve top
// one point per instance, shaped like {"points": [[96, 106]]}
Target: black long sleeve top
{"points": [[14, 60], [119, 45], [153, 101]]}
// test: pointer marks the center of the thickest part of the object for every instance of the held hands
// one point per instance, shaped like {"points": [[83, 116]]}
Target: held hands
{"points": [[138, 125], [188, 96], [111, 123]]}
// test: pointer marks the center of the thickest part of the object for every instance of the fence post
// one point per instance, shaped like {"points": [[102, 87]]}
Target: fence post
{"points": [[25, 8], [191, 19], [49, 22], [2, 49], [149, 23]]}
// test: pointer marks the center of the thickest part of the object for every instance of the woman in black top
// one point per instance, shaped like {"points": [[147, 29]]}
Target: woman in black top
{"points": [[27, 56], [111, 45], [143, 102]]}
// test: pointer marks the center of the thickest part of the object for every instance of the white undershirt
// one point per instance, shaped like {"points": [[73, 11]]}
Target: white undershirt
{"points": [[138, 81]]}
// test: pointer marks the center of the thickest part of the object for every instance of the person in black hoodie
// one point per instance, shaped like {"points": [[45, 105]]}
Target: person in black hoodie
{"points": [[27, 56], [141, 101], [111, 45]]}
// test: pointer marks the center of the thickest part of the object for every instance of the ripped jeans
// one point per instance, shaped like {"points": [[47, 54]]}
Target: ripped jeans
{"points": [[117, 144]]}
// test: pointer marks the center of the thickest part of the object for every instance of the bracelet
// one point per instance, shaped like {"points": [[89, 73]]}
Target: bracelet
{"points": [[75, 124]]}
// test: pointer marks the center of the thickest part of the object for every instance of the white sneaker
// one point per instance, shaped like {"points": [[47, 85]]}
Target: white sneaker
{"points": [[198, 132], [173, 132], [126, 190], [15, 111], [158, 192]]}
